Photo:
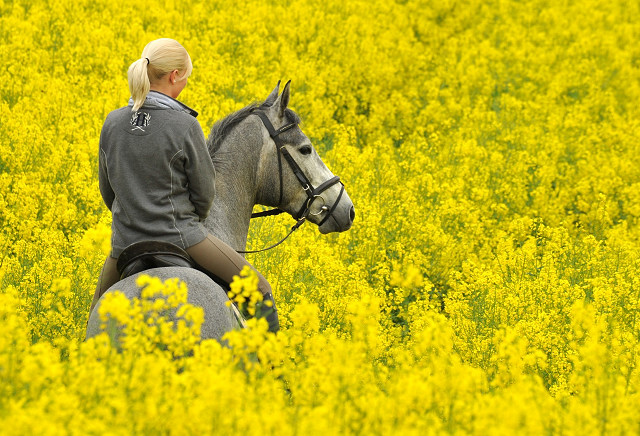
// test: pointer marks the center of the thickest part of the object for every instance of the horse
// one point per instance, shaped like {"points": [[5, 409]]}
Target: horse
{"points": [[248, 148]]}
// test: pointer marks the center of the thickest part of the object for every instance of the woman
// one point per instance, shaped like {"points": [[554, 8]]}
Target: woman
{"points": [[156, 175]]}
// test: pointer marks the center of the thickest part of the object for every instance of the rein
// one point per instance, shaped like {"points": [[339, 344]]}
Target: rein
{"points": [[307, 186]]}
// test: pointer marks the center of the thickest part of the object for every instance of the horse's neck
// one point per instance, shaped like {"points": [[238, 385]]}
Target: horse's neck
{"points": [[229, 217], [236, 165]]}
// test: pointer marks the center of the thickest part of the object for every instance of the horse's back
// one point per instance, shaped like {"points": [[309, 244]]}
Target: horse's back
{"points": [[202, 292]]}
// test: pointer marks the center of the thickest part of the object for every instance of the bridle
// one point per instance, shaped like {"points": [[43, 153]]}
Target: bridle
{"points": [[312, 193]]}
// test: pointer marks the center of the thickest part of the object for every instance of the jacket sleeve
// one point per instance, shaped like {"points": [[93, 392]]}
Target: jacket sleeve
{"points": [[199, 170], [103, 178]]}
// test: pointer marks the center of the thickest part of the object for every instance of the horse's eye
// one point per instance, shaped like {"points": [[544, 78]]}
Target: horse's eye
{"points": [[305, 150]]}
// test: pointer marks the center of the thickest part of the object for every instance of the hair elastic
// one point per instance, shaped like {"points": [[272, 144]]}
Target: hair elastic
{"points": [[148, 61]]}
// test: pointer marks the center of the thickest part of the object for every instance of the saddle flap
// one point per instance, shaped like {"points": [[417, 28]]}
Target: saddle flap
{"points": [[144, 255]]}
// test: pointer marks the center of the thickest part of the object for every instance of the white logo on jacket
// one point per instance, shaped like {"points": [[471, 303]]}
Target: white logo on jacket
{"points": [[140, 120]]}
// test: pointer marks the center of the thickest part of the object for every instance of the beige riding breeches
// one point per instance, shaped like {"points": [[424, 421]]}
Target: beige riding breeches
{"points": [[217, 257]]}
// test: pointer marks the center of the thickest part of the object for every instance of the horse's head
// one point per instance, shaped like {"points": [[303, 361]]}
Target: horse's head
{"points": [[291, 174]]}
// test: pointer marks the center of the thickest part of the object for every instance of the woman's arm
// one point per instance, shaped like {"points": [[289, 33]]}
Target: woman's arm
{"points": [[103, 178], [200, 171]]}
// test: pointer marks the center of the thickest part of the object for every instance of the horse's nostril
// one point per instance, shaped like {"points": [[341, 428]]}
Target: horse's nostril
{"points": [[352, 213]]}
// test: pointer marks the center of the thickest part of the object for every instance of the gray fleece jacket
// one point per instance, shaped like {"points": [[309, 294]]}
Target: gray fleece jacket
{"points": [[155, 173]]}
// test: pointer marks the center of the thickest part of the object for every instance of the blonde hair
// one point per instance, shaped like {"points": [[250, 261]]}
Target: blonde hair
{"points": [[159, 58]]}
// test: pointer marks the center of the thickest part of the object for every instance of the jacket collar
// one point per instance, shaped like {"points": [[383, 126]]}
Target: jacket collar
{"points": [[158, 99]]}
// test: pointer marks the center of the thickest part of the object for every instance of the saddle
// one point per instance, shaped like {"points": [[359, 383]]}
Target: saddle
{"points": [[145, 255]]}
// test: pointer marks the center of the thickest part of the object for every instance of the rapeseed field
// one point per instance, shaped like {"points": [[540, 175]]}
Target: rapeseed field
{"points": [[489, 284]]}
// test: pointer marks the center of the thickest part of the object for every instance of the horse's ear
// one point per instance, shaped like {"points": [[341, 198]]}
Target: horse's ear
{"points": [[273, 96], [284, 99]]}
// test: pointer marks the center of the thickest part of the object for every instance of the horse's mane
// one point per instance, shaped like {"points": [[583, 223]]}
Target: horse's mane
{"points": [[221, 128]]}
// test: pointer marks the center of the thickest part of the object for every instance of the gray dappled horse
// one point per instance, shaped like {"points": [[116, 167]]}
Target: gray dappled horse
{"points": [[261, 157]]}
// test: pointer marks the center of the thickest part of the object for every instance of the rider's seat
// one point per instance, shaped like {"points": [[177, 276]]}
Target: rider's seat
{"points": [[144, 255]]}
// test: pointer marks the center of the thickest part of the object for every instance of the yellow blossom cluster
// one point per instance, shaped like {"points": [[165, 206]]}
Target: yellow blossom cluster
{"points": [[245, 294], [160, 320], [489, 284]]}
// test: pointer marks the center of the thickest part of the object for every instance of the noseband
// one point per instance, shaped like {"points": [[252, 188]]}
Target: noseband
{"points": [[312, 193]]}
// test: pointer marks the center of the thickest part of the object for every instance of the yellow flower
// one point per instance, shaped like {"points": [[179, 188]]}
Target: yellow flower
{"points": [[488, 285]]}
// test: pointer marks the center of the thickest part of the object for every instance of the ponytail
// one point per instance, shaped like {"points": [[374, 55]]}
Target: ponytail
{"points": [[139, 83], [159, 58]]}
